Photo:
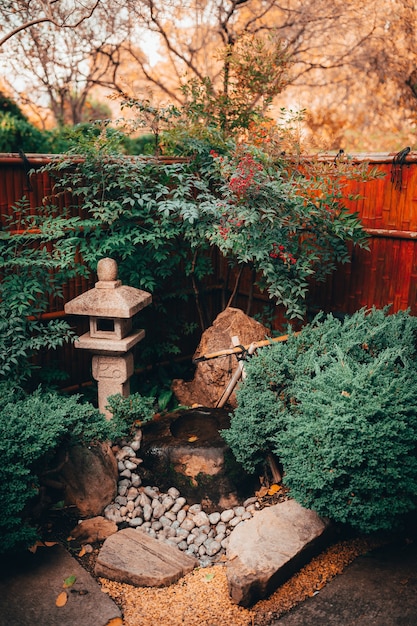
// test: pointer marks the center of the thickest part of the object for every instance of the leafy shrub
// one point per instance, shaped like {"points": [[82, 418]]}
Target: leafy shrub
{"points": [[17, 133], [337, 405], [34, 265], [32, 428], [130, 411]]}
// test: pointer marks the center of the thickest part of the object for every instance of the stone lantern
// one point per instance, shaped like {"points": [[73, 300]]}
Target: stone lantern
{"points": [[110, 307]]}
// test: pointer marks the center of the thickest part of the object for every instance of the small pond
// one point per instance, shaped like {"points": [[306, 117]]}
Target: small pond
{"points": [[185, 449]]}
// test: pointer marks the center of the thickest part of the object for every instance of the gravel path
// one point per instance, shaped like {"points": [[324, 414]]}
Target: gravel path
{"points": [[201, 598]]}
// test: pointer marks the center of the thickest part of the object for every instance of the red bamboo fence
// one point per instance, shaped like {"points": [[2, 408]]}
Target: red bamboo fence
{"points": [[383, 275]]}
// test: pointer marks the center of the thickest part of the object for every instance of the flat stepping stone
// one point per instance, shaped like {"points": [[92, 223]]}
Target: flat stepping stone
{"points": [[266, 550], [131, 556]]}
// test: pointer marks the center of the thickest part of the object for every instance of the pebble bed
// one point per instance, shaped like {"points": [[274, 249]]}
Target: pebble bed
{"points": [[167, 516]]}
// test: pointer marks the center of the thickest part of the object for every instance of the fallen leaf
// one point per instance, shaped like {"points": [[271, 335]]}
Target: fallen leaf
{"points": [[35, 547], [68, 582], [61, 599], [262, 492], [273, 489], [115, 621], [41, 544], [193, 438], [82, 551]]}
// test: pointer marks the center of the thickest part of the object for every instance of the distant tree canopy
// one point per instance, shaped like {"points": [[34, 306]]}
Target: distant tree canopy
{"points": [[353, 65]]}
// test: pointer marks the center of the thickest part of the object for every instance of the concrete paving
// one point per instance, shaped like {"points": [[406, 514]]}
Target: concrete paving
{"points": [[379, 589], [29, 587]]}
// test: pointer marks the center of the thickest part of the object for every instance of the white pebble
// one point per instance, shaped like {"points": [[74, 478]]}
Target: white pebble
{"points": [[136, 480], [201, 518], [135, 445], [178, 504], [214, 518], [227, 515]]}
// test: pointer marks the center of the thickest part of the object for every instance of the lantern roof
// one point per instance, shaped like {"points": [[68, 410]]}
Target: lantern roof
{"points": [[109, 298]]}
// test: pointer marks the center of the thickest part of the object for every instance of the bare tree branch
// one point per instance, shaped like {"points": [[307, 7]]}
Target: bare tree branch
{"points": [[49, 17]]}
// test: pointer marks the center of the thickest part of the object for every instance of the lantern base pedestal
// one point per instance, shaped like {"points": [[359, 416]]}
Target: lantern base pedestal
{"points": [[112, 374]]}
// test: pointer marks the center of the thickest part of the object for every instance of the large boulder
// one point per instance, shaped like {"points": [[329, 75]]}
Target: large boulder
{"points": [[89, 476], [266, 550], [132, 556], [212, 376]]}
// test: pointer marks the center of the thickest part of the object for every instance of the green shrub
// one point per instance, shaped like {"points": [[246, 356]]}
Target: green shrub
{"points": [[17, 133], [130, 411], [337, 405], [32, 428]]}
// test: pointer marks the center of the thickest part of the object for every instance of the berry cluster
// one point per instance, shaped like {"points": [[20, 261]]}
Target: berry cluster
{"points": [[245, 174], [279, 252]]}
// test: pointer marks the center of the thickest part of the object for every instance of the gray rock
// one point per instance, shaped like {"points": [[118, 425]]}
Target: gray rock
{"points": [[239, 510], [144, 499], [133, 557], [136, 480], [147, 512], [151, 492], [158, 510], [135, 445], [266, 550], [212, 547], [188, 524]]}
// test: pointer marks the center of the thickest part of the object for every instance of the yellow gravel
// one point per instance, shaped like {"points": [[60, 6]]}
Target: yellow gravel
{"points": [[201, 598]]}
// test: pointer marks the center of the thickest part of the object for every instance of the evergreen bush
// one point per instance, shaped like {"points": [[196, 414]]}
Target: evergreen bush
{"points": [[32, 429], [337, 405]]}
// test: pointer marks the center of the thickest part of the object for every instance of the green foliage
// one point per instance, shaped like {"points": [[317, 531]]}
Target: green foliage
{"points": [[254, 70], [8, 105], [337, 404], [34, 263], [17, 133], [129, 412], [32, 428], [161, 218]]}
